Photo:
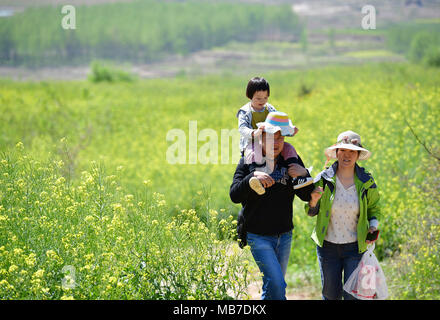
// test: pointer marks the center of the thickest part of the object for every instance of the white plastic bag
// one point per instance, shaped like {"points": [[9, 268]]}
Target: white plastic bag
{"points": [[367, 282]]}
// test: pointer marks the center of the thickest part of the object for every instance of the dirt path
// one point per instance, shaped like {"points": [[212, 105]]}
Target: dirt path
{"points": [[254, 291]]}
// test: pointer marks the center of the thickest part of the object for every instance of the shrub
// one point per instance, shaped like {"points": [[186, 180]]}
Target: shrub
{"points": [[420, 42], [415, 272], [102, 72], [92, 241], [419, 46], [432, 57]]}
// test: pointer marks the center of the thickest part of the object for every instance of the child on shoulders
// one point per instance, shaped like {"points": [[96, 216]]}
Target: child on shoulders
{"points": [[251, 122]]}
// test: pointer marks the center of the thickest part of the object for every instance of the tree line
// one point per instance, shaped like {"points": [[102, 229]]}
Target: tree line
{"points": [[140, 31], [419, 42]]}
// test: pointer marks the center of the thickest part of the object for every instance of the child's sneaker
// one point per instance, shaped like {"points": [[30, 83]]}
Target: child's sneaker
{"points": [[301, 182], [256, 185]]}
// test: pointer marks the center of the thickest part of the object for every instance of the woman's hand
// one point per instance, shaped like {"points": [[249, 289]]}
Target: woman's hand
{"points": [[295, 170], [316, 195], [265, 179], [371, 230]]}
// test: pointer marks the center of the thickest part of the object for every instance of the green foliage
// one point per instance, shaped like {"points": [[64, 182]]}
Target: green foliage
{"points": [[419, 46], [106, 73], [432, 57], [415, 272], [420, 42], [91, 240], [304, 41], [138, 31], [304, 90], [399, 37]]}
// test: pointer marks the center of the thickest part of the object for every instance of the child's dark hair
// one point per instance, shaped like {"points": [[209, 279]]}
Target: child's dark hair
{"points": [[257, 84]]}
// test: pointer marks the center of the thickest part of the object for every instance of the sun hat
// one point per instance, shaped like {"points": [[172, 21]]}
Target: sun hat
{"points": [[278, 121], [348, 140]]}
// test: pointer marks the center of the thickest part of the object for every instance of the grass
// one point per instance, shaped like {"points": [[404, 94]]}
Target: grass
{"points": [[370, 54]]}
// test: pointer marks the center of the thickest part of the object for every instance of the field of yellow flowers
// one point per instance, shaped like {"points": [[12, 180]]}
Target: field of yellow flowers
{"points": [[90, 208], [92, 241]]}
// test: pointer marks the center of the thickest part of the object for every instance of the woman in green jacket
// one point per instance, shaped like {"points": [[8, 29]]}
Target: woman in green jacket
{"points": [[346, 203]]}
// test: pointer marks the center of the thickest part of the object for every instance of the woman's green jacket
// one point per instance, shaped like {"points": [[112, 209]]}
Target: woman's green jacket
{"points": [[369, 208]]}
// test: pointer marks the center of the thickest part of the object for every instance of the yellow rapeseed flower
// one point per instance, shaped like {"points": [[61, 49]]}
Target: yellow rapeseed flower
{"points": [[89, 219], [39, 273], [31, 260], [13, 268]]}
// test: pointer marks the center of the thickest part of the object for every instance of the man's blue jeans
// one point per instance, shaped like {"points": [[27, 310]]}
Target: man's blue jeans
{"points": [[271, 253], [333, 259]]}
